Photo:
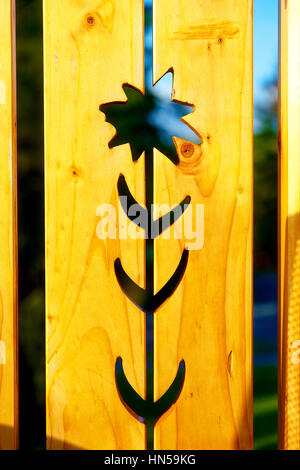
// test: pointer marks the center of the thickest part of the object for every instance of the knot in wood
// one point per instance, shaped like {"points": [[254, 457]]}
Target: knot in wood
{"points": [[187, 150], [90, 19]]}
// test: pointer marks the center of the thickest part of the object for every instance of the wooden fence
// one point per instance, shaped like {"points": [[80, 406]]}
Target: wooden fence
{"points": [[90, 322], [149, 341]]}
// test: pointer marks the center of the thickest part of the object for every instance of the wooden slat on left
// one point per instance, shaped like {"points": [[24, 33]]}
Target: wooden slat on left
{"points": [[92, 48], [8, 231]]}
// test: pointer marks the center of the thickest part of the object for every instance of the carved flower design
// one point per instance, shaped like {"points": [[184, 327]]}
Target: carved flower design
{"points": [[132, 121]]}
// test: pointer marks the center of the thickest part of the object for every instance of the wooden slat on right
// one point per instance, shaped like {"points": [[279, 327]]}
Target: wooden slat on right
{"points": [[289, 212], [208, 321]]}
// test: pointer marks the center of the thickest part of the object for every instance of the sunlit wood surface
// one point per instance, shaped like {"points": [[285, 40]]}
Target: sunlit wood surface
{"points": [[208, 322], [289, 212], [8, 238], [92, 48]]}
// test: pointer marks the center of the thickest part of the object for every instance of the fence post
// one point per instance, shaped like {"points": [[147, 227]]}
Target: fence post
{"points": [[289, 226], [8, 231], [91, 50]]}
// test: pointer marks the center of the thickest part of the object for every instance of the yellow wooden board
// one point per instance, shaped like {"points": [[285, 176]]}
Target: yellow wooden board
{"points": [[208, 321], [8, 237], [91, 49], [289, 224]]}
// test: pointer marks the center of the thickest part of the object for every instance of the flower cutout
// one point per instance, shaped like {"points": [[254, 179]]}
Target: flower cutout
{"points": [[133, 121]]}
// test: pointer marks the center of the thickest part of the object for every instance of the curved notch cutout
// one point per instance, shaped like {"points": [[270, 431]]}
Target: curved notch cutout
{"points": [[142, 298], [141, 120], [148, 411], [157, 227]]}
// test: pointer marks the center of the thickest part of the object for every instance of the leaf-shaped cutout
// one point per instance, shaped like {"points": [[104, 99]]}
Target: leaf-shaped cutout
{"points": [[144, 410], [139, 296], [132, 121], [158, 226]]}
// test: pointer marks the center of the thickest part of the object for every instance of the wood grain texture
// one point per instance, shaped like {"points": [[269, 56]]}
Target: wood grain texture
{"points": [[208, 321], [92, 47], [289, 224], [8, 231]]}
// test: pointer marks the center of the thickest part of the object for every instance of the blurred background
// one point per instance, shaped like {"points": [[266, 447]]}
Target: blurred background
{"points": [[31, 214]]}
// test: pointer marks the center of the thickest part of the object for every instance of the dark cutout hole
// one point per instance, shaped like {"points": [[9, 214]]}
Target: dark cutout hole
{"points": [[142, 298], [137, 122], [146, 411], [139, 214]]}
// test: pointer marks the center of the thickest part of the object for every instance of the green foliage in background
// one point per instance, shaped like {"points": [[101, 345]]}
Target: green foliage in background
{"points": [[265, 183], [265, 258], [31, 223], [265, 408]]}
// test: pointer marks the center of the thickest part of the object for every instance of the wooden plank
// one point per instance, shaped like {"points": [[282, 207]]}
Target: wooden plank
{"points": [[8, 231], [208, 321], [289, 224], [92, 48]]}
